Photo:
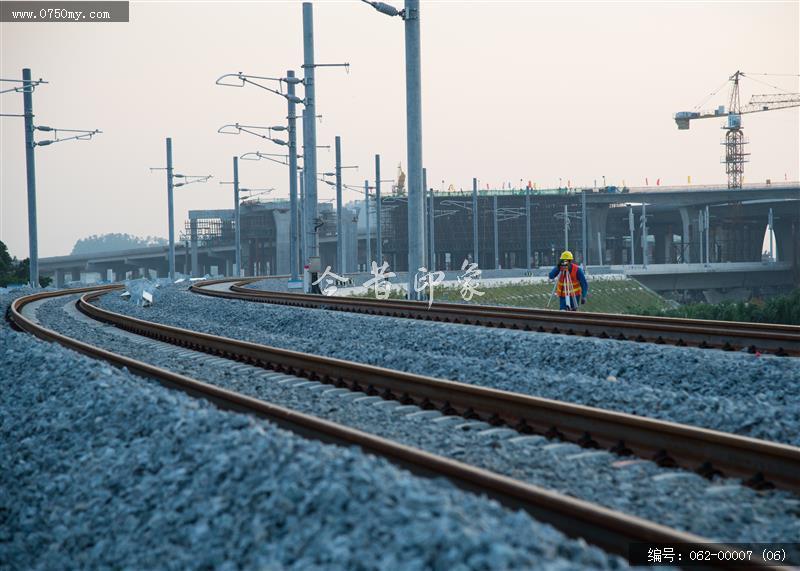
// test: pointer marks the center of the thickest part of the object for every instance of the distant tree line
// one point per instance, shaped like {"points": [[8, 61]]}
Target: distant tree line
{"points": [[15, 272], [114, 242], [783, 309]]}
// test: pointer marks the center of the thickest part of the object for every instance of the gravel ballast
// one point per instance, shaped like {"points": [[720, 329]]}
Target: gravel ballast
{"points": [[101, 469], [732, 392], [721, 510]]}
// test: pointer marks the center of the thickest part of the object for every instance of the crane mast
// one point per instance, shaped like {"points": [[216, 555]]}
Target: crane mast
{"points": [[734, 143]]}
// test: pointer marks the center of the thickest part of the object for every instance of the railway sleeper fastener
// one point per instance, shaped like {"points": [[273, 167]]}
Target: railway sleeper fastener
{"points": [[554, 433], [660, 340], [495, 420], [704, 345], [680, 343], [447, 409], [664, 460], [523, 427], [621, 449], [707, 470], [727, 346], [781, 353], [586, 441], [371, 390], [640, 339], [405, 398], [621, 337], [470, 414], [426, 404], [758, 482]]}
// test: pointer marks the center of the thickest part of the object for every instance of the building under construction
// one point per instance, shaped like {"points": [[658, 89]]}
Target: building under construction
{"points": [[681, 225]]}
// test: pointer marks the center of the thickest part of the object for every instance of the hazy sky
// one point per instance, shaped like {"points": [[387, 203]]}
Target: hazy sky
{"points": [[510, 90]]}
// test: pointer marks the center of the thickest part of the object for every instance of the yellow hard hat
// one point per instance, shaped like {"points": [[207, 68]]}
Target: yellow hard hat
{"points": [[566, 255]]}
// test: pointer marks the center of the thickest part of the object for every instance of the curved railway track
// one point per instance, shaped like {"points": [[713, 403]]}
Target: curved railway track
{"points": [[614, 531], [781, 340]]}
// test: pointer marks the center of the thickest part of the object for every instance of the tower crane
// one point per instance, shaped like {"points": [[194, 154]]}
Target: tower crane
{"points": [[734, 142]]}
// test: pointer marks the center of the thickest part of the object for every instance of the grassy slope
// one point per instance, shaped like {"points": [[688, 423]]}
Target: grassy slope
{"points": [[607, 296]]}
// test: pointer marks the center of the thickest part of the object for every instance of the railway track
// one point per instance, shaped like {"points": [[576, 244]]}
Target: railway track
{"points": [[780, 340], [611, 530], [758, 463]]}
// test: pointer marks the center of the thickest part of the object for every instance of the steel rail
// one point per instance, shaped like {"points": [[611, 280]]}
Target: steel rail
{"points": [[758, 463], [611, 530], [782, 340]]}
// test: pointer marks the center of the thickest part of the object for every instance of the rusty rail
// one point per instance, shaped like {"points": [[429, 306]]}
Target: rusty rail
{"points": [[609, 529], [759, 463], [781, 340]]}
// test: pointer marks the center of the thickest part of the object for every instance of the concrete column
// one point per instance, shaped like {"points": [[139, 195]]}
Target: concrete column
{"points": [[596, 216], [690, 234], [58, 277], [193, 235], [228, 268], [283, 220]]}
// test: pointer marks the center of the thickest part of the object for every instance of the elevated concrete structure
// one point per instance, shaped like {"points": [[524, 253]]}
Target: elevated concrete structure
{"points": [[738, 221]]}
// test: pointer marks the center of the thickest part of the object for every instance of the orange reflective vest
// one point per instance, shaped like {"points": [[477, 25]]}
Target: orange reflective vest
{"points": [[571, 287]]}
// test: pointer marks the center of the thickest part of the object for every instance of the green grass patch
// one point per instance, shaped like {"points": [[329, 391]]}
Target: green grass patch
{"points": [[783, 309], [605, 296]]}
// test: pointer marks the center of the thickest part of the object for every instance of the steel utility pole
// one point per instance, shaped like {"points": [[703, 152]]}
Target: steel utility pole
{"points": [[632, 229], [30, 166], [378, 209], [584, 251], [566, 228], [414, 144], [309, 132], [171, 212], [432, 231], [708, 236], [475, 220], [369, 233], [292, 179], [426, 245], [644, 236], [237, 219], [496, 238], [303, 234], [528, 227], [339, 221], [701, 231]]}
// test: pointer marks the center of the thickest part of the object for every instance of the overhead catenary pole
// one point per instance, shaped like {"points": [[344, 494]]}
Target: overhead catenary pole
{"points": [[475, 220], [171, 212], [292, 178], [701, 228], [426, 226], [237, 270], [309, 132], [379, 241], [496, 238], [30, 171], [708, 236], [414, 143], [528, 227], [369, 233], [566, 228], [303, 233], [339, 221], [632, 230], [584, 251], [644, 236]]}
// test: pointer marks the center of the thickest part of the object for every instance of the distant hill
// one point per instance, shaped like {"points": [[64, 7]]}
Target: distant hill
{"points": [[114, 242]]}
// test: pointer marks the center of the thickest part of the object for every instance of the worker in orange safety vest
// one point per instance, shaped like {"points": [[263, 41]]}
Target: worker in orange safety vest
{"points": [[571, 287]]}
